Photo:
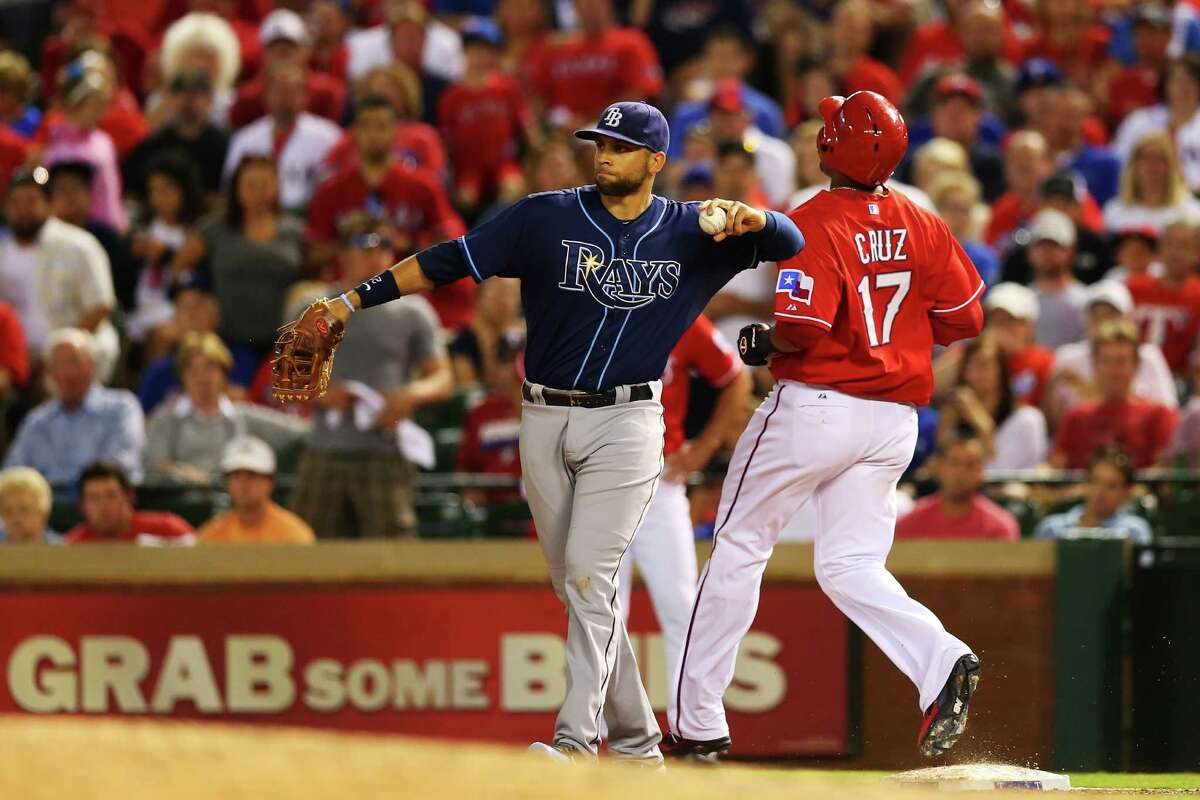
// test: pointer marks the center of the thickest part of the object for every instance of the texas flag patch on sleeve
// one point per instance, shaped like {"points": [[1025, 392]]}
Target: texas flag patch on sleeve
{"points": [[796, 284]]}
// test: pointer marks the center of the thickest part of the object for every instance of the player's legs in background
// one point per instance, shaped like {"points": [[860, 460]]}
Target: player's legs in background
{"points": [[549, 484], [857, 513], [784, 452], [617, 454], [665, 553], [382, 495], [321, 496]]}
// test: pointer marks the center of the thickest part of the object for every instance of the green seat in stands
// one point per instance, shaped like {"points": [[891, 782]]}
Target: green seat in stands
{"points": [[287, 458], [445, 448], [440, 515], [64, 515], [505, 520], [197, 506], [450, 413], [1179, 512]]}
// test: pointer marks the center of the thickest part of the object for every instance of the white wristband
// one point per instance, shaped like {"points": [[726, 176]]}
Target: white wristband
{"points": [[346, 300]]}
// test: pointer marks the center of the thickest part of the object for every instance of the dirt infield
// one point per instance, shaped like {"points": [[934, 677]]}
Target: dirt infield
{"points": [[130, 760]]}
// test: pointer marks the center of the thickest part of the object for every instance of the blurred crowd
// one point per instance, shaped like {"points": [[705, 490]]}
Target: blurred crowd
{"points": [[181, 177]]}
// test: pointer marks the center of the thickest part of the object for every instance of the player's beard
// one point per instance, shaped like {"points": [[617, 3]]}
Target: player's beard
{"points": [[620, 187]]}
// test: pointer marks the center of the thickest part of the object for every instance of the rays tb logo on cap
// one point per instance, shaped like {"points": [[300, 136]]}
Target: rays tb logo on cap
{"points": [[637, 123]]}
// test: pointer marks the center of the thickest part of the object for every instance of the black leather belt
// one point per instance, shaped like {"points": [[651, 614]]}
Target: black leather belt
{"points": [[572, 399]]}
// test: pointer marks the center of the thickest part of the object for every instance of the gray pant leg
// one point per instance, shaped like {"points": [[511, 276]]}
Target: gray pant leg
{"points": [[549, 484], [617, 453]]}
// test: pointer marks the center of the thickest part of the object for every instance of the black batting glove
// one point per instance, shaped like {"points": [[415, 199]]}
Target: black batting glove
{"points": [[754, 344]]}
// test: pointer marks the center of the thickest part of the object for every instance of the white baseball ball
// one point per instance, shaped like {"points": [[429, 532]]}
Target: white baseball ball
{"points": [[712, 221]]}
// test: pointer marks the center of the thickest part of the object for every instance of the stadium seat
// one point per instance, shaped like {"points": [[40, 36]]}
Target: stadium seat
{"points": [[441, 515], [505, 520]]}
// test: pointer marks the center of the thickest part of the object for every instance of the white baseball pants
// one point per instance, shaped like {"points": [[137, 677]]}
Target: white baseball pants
{"points": [[846, 454], [589, 475], [665, 554]]}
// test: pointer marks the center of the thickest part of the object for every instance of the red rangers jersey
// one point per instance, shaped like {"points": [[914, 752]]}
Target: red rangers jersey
{"points": [[584, 74], [482, 124], [879, 282], [412, 202], [701, 350], [1167, 316]]}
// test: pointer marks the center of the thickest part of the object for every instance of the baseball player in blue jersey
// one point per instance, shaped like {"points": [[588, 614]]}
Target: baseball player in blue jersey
{"points": [[611, 277]]}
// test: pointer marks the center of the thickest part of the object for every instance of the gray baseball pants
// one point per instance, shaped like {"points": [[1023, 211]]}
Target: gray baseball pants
{"points": [[589, 475]]}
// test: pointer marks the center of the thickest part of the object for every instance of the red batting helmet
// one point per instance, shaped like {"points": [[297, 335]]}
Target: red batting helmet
{"points": [[864, 137]]}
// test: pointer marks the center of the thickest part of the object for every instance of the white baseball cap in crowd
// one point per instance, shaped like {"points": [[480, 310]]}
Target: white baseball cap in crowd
{"points": [[1018, 300], [1052, 225], [250, 454], [1112, 292], [282, 23]]}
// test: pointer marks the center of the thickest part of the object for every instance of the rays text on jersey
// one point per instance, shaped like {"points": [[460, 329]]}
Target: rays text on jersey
{"points": [[620, 284]]}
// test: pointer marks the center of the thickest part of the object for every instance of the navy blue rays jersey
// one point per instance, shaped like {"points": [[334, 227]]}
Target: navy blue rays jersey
{"points": [[605, 299]]}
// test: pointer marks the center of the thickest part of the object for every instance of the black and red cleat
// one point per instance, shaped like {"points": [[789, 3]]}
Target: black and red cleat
{"points": [[702, 752], [946, 719]]}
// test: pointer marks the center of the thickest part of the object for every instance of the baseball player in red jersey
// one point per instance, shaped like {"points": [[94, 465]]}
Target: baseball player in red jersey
{"points": [[856, 317], [665, 547]]}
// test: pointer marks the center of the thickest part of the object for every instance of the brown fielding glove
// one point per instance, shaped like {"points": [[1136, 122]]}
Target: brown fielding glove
{"points": [[304, 354]]}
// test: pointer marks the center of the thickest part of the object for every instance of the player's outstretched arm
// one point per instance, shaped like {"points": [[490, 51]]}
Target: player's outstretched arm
{"points": [[777, 236], [396, 281], [304, 349]]}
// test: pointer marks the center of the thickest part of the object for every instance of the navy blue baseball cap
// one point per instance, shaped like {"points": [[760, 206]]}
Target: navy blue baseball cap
{"points": [[634, 122], [482, 29], [1038, 72]]}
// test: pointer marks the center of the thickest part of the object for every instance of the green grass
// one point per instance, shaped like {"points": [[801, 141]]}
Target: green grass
{"points": [[1136, 780]]}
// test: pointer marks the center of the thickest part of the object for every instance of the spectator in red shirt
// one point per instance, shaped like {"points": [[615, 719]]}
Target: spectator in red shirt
{"points": [[1026, 164], [328, 24], [1167, 308], [483, 119], [1141, 428], [411, 201], [106, 501], [489, 443], [14, 364], [958, 510], [525, 24], [1068, 34], [1012, 314], [578, 76], [285, 41], [1137, 85], [417, 143], [13, 153], [983, 32], [14, 360], [1135, 252], [84, 27], [852, 31], [943, 42]]}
